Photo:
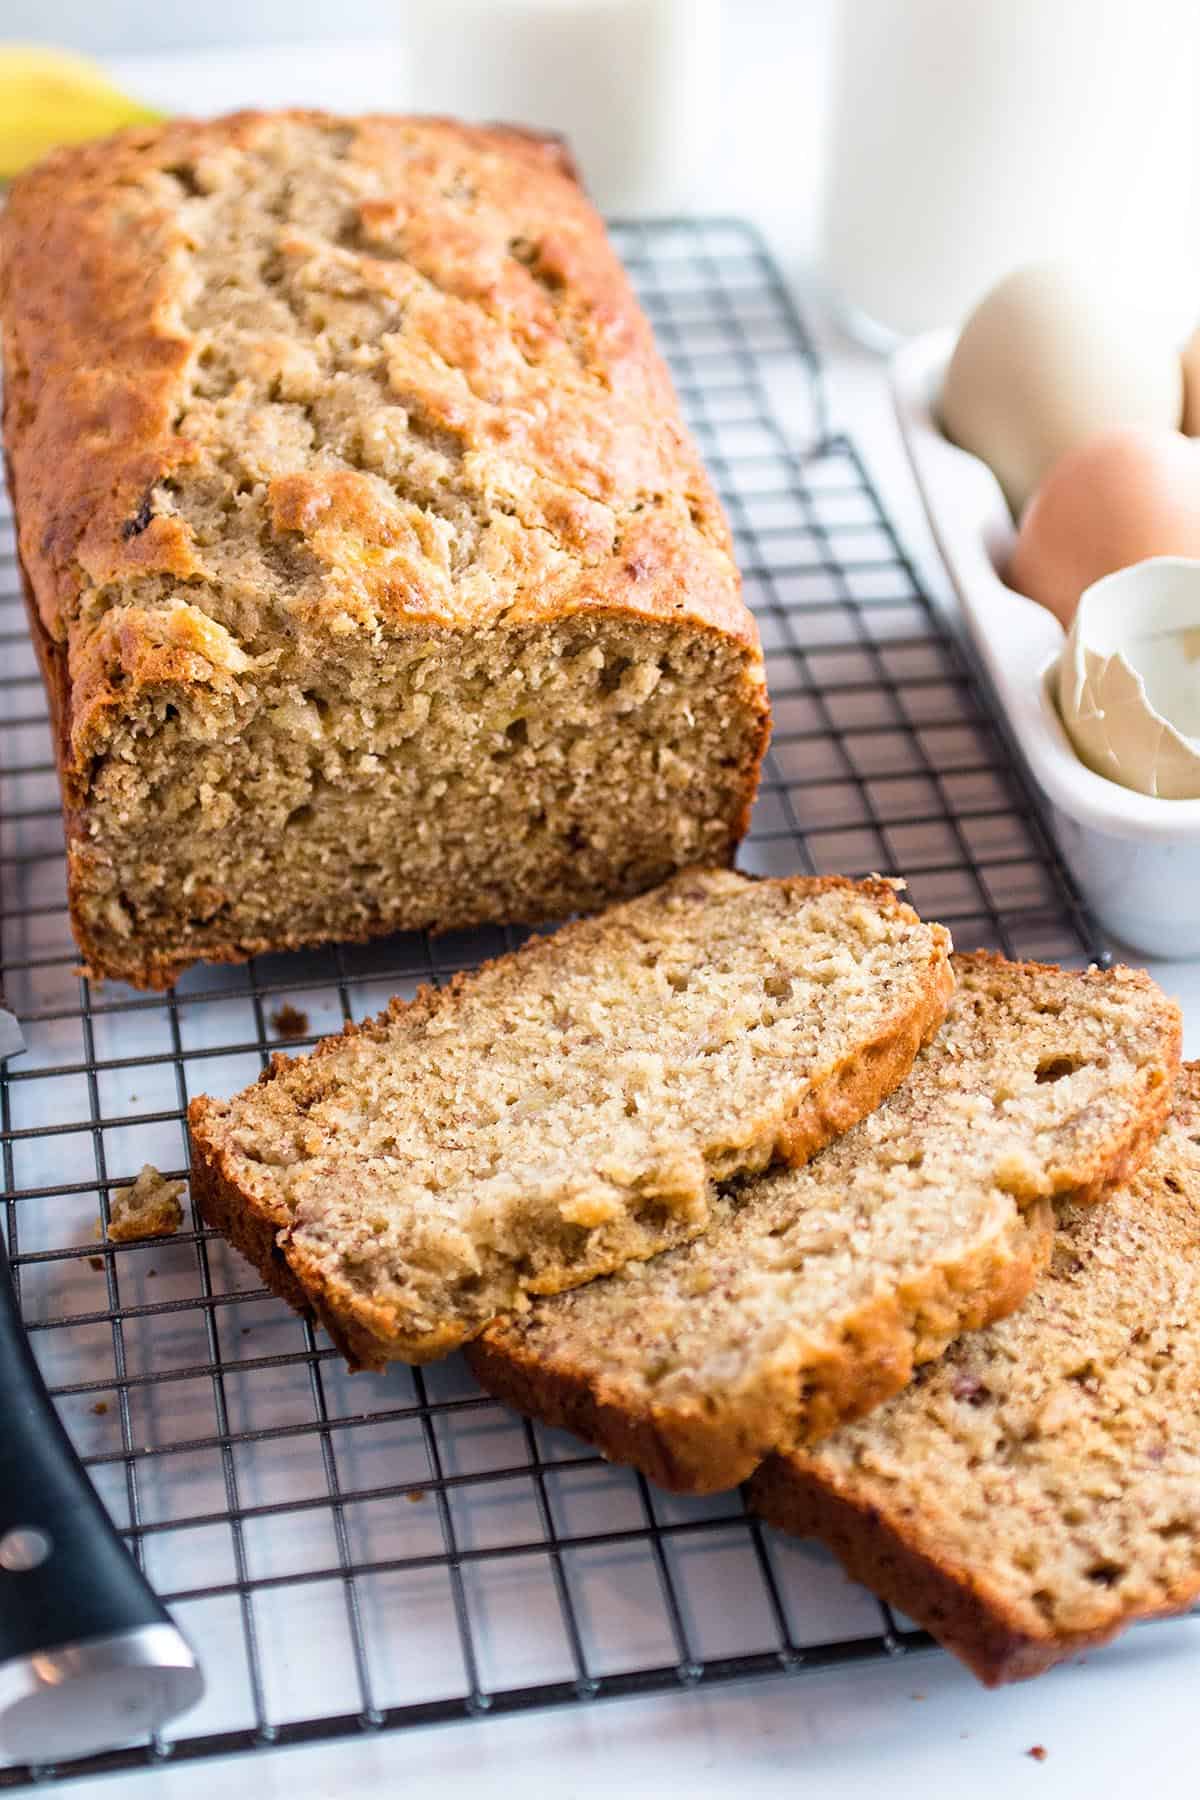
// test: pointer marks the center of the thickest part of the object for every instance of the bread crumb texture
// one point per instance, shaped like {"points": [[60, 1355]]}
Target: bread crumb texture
{"points": [[376, 581], [570, 1107], [289, 1021], [151, 1206], [815, 1293], [1039, 1489]]}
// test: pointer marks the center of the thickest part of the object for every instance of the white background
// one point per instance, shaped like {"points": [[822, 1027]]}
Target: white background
{"points": [[766, 141], [1128, 1719]]}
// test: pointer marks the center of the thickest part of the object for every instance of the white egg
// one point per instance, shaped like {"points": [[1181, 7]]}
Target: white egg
{"points": [[1047, 360], [1129, 678]]}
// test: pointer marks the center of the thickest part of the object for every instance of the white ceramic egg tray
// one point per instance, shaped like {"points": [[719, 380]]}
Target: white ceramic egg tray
{"points": [[1136, 859]]}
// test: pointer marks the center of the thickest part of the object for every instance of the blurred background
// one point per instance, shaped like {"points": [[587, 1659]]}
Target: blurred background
{"points": [[903, 153], [691, 105]]}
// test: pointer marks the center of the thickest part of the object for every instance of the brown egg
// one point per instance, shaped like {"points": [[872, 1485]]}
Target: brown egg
{"points": [[1123, 496], [1191, 385]]}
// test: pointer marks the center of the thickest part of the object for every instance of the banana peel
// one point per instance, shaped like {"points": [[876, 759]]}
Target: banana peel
{"points": [[52, 97]]}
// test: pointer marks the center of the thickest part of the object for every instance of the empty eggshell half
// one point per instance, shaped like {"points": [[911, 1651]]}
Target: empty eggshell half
{"points": [[1047, 359], [1129, 678]]}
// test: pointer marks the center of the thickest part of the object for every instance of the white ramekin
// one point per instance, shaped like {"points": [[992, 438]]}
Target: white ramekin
{"points": [[1136, 859]]}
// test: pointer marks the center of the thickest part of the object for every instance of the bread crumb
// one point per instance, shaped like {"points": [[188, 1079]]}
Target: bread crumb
{"points": [[148, 1207], [289, 1021], [95, 1262], [1038, 1752], [416, 1495], [100, 1408]]}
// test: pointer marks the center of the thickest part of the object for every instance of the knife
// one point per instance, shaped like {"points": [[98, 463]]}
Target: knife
{"points": [[89, 1656]]}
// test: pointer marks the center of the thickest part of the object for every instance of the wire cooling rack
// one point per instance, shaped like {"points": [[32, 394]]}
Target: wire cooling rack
{"points": [[353, 1554]]}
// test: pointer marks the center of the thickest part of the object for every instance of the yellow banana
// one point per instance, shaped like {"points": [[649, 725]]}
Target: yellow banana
{"points": [[50, 97]]}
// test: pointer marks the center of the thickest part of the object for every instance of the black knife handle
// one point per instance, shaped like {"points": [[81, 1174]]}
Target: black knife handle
{"points": [[67, 1582]]}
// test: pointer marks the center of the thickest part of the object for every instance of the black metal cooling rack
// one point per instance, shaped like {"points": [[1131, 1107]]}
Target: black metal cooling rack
{"points": [[445, 1557]]}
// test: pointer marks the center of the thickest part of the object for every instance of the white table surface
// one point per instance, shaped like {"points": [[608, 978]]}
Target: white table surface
{"points": [[1124, 1720]]}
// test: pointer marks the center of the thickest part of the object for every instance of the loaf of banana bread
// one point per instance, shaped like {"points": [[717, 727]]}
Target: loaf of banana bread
{"points": [[375, 580]]}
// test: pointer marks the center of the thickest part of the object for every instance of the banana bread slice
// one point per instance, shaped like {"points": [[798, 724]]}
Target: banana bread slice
{"points": [[815, 1293], [1039, 1489], [568, 1107], [375, 579]]}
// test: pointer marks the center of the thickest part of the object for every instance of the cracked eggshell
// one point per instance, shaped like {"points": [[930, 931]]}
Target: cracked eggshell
{"points": [[1129, 678]]}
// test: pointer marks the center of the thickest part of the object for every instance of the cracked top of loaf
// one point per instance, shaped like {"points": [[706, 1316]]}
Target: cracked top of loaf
{"points": [[278, 379]]}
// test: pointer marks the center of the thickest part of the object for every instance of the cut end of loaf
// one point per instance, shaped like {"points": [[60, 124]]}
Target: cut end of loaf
{"points": [[423, 782]]}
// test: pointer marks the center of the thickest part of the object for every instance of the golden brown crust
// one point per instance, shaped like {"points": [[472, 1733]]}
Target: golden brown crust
{"points": [[222, 1205], [93, 287], [95, 360], [56, 679], [1154, 1088], [951, 1602], [90, 341], [881, 1065], [959, 1606], [367, 1333], [687, 1448]]}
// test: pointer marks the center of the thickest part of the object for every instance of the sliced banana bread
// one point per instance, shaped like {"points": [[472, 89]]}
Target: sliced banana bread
{"points": [[569, 1107], [815, 1293], [1039, 1489]]}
